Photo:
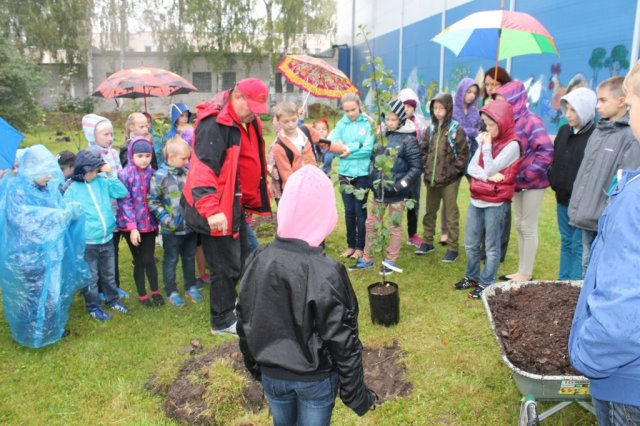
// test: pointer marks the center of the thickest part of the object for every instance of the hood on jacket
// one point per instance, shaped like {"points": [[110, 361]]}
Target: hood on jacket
{"points": [[134, 141], [307, 210], [582, 100], [464, 85], [89, 123], [177, 110], [446, 100], [502, 113], [38, 162], [86, 161], [407, 94], [516, 95]]}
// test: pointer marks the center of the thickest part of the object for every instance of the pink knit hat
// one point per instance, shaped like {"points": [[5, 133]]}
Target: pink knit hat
{"points": [[307, 210]]}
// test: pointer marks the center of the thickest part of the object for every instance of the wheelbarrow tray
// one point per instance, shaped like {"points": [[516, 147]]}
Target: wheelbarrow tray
{"points": [[541, 387]]}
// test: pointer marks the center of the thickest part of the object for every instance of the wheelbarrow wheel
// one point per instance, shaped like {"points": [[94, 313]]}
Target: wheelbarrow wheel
{"points": [[528, 412]]}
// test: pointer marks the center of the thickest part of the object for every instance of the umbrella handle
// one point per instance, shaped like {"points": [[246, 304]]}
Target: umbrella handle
{"points": [[304, 104]]}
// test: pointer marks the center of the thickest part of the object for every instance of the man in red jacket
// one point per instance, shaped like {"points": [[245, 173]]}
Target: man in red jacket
{"points": [[227, 176]]}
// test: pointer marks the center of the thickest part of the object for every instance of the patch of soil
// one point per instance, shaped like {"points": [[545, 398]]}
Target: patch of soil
{"points": [[533, 324], [385, 374], [383, 290], [264, 226]]}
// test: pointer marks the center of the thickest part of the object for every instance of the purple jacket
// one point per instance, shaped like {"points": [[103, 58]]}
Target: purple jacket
{"points": [[133, 212], [537, 147], [470, 121]]}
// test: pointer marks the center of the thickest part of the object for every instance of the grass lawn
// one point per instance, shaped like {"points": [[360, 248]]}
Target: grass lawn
{"points": [[96, 375]]}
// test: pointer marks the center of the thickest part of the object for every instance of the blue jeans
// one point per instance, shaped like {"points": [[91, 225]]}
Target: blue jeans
{"points": [[102, 264], [570, 246], [327, 162], [587, 241], [355, 212], [301, 403], [179, 246], [252, 240], [613, 413], [484, 224]]}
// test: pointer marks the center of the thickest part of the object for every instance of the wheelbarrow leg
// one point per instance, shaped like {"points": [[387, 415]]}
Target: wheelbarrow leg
{"points": [[587, 406], [551, 411]]}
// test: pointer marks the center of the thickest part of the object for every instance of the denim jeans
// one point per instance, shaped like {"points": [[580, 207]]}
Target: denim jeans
{"points": [[252, 240], [570, 246], [327, 162], [614, 414], [179, 246], [587, 241], [484, 224], [301, 403], [102, 264], [355, 212]]}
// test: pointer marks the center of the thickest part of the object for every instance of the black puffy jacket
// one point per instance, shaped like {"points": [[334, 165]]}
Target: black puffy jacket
{"points": [[298, 319]]}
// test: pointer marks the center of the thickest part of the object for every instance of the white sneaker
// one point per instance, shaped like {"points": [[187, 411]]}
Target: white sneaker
{"points": [[229, 330]]}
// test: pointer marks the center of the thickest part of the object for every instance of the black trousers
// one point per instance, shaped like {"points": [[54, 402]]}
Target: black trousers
{"points": [[143, 261], [225, 257]]}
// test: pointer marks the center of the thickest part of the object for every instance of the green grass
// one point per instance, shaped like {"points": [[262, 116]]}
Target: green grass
{"points": [[97, 374]]}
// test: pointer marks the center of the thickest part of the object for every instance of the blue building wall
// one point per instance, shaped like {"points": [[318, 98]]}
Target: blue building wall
{"points": [[577, 26]]}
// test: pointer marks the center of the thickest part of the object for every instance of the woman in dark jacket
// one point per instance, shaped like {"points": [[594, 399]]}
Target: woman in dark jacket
{"points": [[579, 108]]}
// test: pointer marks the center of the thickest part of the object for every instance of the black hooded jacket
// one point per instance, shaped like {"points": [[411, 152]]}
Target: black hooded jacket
{"points": [[297, 319]]}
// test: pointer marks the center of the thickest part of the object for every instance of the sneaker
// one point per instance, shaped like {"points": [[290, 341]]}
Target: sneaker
{"points": [[424, 249], [387, 264], [361, 264], [96, 312], [118, 306], [415, 241], [477, 292], [229, 330], [122, 294], [465, 283], [176, 300], [101, 297], [450, 256], [146, 302], [157, 298], [194, 295]]}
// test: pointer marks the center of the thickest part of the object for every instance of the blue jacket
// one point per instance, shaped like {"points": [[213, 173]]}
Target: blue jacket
{"points": [[358, 137], [604, 343], [176, 111], [95, 197]]}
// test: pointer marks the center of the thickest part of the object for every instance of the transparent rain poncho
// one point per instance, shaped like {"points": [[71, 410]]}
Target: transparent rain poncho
{"points": [[42, 257]]}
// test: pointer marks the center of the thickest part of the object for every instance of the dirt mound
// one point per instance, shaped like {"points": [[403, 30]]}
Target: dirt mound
{"points": [[533, 323], [214, 387]]}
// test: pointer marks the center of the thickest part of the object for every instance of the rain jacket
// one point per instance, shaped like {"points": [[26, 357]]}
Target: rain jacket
{"points": [[176, 111], [470, 122], [611, 146], [109, 154], [537, 148], [406, 168], [569, 146], [227, 170], [445, 152], [164, 196], [358, 137], [96, 199], [42, 258], [496, 192], [133, 211], [297, 311], [603, 342]]}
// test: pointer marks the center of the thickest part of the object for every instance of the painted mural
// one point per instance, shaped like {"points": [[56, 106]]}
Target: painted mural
{"points": [[594, 45]]}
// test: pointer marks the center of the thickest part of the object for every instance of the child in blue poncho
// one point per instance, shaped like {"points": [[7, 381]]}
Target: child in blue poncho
{"points": [[42, 258]]}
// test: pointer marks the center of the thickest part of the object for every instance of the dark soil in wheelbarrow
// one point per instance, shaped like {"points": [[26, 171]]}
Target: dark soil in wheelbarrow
{"points": [[533, 323], [214, 387]]}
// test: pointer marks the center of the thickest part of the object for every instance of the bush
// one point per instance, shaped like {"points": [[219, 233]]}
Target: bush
{"points": [[67, 103]]}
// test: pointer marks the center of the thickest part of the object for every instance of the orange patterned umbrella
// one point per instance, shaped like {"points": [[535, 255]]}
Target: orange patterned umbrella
{"points": [[315, 76]]}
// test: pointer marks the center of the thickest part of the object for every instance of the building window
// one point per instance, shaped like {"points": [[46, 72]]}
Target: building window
{"points": [[147, 49], [109, 73], [202, 80], [289, 87], [228, 80], [278, 78]]}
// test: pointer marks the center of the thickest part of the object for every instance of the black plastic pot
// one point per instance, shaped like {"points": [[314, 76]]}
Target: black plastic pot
{"points": [[385, 308]]}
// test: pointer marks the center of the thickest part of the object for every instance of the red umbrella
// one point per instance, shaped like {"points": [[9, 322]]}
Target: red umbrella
{"points": [[143, 82], [316, 77]]}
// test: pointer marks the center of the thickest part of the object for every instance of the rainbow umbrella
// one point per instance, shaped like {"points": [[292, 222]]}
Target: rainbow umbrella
{"points": [[316, 77], [497, 34]]}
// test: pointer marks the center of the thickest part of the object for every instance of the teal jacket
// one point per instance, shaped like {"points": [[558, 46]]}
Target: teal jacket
{"points": [[358, 137], [95, 197]]}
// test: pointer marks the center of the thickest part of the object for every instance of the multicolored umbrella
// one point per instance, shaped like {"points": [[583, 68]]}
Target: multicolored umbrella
{"points": [[497, 34], [316, 77], [143, 82]]}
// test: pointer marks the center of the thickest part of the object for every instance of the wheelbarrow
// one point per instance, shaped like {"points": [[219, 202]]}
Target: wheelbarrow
{"points": [[565, 390]]}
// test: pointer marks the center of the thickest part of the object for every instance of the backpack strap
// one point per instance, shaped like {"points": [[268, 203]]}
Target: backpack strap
{"points": [[451, 137], [287, 150]]}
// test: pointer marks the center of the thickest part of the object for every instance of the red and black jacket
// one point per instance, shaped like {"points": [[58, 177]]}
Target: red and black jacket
{"points": [[223, 176]]}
